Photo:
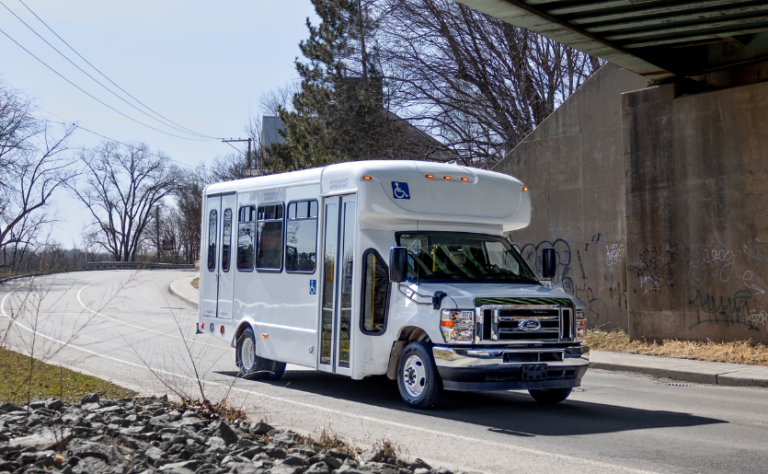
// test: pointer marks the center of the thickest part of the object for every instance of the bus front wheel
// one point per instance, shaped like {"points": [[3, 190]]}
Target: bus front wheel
{"points": [[417, 377], [252, 366]]}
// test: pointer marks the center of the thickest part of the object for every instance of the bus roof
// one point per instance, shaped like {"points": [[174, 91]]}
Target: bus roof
{"points": [[407, 189]]}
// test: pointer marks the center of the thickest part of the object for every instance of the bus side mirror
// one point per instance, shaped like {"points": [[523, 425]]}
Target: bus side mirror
{"points": [[398, 264], [548, 264]]}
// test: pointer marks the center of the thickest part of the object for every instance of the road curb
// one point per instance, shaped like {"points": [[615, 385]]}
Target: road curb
{"points": [[683, 376], [184, 290], [684, 370]]}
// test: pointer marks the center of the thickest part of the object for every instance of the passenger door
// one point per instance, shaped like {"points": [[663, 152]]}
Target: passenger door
{"points": [[226, 270], [337, 295], [209, 271]]}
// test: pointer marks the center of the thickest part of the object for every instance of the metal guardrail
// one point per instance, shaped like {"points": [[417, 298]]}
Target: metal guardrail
{"points": [[107, 266], [138, 265]]}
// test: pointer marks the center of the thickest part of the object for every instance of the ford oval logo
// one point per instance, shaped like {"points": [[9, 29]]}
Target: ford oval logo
{"points": [[529, 325]]}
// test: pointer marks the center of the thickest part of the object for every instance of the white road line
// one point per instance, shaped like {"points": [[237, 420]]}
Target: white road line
{"points": [[536, 452], [136, 326]]}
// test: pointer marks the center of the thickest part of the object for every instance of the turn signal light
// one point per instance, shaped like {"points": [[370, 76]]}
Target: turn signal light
{"points": [[222, 329], [264, 335], [447, 324]]}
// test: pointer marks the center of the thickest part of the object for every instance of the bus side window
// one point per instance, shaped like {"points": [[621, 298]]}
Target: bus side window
{"points": [[269, 237], [212, 240], [301, 237], [373, 320], [226, 240], [246, 237]]}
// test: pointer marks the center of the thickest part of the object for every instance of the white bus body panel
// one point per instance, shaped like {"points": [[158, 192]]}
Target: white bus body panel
{"points": [[284, 309]]}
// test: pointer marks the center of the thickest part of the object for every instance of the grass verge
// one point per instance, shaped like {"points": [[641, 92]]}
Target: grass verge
{"points": [[739, 352], [48, 381]]}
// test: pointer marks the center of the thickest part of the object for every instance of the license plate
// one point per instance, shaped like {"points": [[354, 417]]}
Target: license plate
{"points": [[534, 372]]}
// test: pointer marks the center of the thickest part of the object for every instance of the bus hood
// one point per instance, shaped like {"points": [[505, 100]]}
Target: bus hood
{"points": [[464, 294]]}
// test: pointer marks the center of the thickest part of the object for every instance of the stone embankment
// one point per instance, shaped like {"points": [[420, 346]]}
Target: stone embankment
{"points": [[149, 435]]}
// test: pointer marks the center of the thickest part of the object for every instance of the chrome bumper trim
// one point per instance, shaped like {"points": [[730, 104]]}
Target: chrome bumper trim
{"points": [[449, 357]]}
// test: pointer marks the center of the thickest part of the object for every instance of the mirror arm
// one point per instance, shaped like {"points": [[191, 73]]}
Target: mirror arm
{"points": [[411, 293]]}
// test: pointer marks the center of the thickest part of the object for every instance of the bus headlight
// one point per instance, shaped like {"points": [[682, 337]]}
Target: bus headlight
{"points": [[581, 326], [458, 326]]}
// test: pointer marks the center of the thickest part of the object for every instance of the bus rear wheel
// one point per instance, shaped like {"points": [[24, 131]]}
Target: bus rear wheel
{"points": [[551, 395], [251, 366], [417, 377]]}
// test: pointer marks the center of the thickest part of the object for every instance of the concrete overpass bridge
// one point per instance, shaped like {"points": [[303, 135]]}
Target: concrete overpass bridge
{"points": [[650, 180], [657, 39]]}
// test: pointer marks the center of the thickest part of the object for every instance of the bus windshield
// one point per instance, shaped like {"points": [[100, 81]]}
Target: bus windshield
{"points": [[463, 258]]}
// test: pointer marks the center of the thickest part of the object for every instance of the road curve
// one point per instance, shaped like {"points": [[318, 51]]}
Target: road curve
{"points": [[125, 326]]}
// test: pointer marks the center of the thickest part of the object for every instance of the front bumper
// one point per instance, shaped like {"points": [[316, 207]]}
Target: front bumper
{"points": [[481, 369]]}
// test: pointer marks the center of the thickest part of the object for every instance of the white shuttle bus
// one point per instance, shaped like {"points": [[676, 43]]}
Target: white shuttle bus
{"points": [[387, 267]]}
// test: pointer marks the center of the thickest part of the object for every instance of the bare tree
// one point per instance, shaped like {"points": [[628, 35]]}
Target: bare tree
{"points": [[477, 83], [123, 186], [18, 126], [32, 167], [186, 217], [282, 97]]}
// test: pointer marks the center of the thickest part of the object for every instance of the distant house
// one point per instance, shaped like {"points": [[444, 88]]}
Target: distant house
{"points": [[399, 139]]}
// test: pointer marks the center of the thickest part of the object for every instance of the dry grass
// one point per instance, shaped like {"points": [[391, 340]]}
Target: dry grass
{"points": [[196, 283], [330, 441], [210, 411], [740, 352], [48, 381]]}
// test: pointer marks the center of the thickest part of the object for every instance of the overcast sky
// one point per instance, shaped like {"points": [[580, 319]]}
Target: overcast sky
{"points": [[201, 64]]}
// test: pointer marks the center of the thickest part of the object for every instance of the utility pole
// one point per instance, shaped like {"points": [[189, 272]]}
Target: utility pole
{"points": [[248, 157], [157, 228]]}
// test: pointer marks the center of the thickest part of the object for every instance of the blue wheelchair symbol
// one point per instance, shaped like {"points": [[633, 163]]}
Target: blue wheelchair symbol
{"points": [[400, 190], [312, 287]]}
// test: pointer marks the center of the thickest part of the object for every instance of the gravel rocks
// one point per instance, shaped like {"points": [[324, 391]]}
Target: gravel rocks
{"points": [[153, 435]]}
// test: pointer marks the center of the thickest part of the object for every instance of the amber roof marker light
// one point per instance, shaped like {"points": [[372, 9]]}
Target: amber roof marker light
{"points": [[430, 176], [525, 189], [465, 178], [367, 178], [447, 178]]}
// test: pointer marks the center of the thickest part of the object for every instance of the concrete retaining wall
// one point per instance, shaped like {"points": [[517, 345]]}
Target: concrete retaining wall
{"points": [[573, 164]]}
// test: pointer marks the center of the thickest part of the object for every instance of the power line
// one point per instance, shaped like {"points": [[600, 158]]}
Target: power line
{"points": [[91, 77], [106, 137], [102, 74], [94, 98]]}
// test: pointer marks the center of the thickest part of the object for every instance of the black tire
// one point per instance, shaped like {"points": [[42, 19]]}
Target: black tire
{"points": [[417, 377], [551, 395], [251, 366]]}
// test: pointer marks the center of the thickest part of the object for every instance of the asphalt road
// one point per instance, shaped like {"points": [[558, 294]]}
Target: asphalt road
{"points": [[128, 328]]}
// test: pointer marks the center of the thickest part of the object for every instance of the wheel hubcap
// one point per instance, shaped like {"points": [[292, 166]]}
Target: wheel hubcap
{"points": [[414, 376], [247, 355]]}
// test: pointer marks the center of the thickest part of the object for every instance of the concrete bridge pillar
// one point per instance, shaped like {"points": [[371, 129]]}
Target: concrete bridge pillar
{"points": [[697, 212]]}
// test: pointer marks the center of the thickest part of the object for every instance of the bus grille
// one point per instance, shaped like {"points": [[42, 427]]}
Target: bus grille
{"points": [[545, 323]]}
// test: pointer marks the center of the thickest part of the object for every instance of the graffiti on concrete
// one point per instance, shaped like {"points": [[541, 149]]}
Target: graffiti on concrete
{"points": [[728, 310], [571, 275], [721, 284], [612, 254], [655, 267], [758, 318]]}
